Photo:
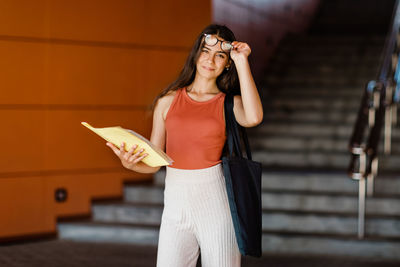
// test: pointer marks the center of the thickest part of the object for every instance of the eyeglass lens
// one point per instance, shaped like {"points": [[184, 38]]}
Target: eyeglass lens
{"points": [[211, 40]]}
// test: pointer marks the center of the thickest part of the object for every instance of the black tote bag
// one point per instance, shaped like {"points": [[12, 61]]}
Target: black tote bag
{"points": [[243, 184]]}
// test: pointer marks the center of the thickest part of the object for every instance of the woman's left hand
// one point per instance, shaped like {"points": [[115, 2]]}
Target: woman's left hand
{"points": [[240, 51]]}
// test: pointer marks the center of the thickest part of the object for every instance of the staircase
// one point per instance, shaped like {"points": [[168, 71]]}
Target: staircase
{"points": [[309, 202], [314, 86]]}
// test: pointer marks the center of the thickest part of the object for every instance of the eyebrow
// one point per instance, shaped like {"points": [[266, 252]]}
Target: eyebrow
{"points": [[223, 52]]}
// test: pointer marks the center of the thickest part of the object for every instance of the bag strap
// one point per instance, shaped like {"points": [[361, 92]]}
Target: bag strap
{"points": [[232, 130]]}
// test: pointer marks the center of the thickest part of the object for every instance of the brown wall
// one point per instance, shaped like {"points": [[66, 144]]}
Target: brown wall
{"points": [[67, 61], [263, 24]]}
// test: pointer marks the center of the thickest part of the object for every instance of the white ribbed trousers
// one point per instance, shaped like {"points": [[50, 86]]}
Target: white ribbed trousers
{"points": [[196, 218]]}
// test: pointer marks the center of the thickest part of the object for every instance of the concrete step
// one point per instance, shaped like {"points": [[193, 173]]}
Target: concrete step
{"points": [[291, 102], [326, 182], [368, 71], [315, 159], [311, 181], [321, 75], [121, 212], [311, 59], [309, 129], [291, 201], [326, 50], [328, 42], [329, 88], [328, 204], [281, 243], [301, 143], [331, 224], [287, 80], [296, 94], [297, 63], [284, 62], [335, 40], [144, 194], [272, 242], [297, 101], [108, 233], [302, 129], [321, 91], [311, 116], [328, 225], [324, 71], [275, 84], [329, 49]]}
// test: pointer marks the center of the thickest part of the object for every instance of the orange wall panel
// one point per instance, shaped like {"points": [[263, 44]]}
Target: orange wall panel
{"points": [[22, 136], [161, 23], [23, 17], [37, 140], [63, 62], [22, 206], [70, 145], [23, 72], [155, 22], [37, 73], [109, 76]]}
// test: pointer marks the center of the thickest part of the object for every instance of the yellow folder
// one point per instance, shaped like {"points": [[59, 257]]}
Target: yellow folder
{"points": [[117, 135]]}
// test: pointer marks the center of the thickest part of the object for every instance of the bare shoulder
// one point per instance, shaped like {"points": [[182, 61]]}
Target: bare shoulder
{"points": [[163, 104]]}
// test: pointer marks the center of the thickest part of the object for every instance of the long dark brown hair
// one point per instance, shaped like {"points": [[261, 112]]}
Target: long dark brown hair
{"points": [[227, 82]]}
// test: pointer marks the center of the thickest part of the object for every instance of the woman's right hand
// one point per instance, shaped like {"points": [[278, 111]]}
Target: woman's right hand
{"points": [[128, 159]]}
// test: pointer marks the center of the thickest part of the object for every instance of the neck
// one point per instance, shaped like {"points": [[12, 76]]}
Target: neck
{"points": [[202, 85]]}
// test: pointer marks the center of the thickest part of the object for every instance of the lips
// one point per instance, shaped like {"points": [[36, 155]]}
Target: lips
{"points": [[207, 68]]}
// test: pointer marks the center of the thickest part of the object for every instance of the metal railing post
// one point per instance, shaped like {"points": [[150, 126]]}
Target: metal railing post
{"points": [[361, 208], [358, 152], [387, 141], [371, 177]]}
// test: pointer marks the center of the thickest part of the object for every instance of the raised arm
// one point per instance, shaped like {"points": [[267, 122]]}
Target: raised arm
{"points": [[247, 107]]}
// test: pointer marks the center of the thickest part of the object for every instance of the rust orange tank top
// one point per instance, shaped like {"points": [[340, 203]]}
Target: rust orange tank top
{"points": [[195, 131]]}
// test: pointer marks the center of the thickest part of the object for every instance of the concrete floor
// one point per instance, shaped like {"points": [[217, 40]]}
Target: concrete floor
{"points": [[66, 253]]}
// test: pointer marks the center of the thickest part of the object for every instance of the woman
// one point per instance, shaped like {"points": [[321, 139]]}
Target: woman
{"points": [[189, 123]]}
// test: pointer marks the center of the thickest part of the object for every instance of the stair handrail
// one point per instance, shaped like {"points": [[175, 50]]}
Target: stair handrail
{"points": [[378, 109]]}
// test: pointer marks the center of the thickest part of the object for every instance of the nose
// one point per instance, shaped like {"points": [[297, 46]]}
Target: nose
{"points": [[210, 58]]}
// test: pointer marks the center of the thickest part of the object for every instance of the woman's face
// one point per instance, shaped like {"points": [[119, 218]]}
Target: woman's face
{"points": [[212, 60]]}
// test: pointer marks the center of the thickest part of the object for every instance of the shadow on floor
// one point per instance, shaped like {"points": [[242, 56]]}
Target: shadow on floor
{"points": [[66, 253]]}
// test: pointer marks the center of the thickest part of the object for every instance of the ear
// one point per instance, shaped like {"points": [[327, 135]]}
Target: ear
{"points": [[228, 65]]}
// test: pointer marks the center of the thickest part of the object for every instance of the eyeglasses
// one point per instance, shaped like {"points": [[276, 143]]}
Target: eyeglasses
{"points": [[212, 40]]}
